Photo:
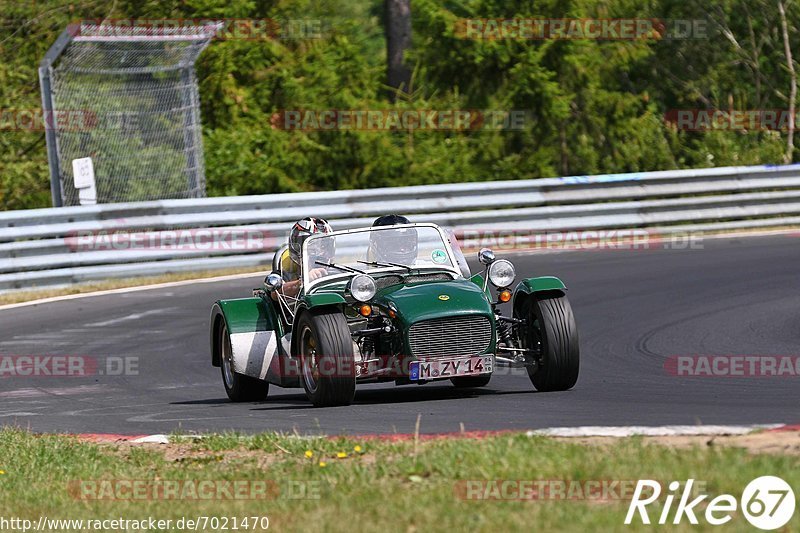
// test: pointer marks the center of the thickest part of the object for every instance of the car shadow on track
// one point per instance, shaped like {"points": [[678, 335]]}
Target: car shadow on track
{"points": [[209, 401], [400, 395], [391, 396]]}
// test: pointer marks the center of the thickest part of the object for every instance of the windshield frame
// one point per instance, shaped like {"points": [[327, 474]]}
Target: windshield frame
{"points": [[309, 285]]}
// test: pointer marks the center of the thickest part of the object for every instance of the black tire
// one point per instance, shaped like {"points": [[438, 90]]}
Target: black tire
{"points": [[552, 323], [471, 382], [327, 363], [240, 388]]}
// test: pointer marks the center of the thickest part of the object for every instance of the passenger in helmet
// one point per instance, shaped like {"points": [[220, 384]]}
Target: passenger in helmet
{"points": [[291, 262]]}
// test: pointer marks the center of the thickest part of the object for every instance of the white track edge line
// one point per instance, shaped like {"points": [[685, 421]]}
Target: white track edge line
{"points": [[152, 439], [580, 431], [136, 288], [651, 431]]}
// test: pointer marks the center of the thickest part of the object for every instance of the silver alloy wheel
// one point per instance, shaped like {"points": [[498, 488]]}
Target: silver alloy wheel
{"points": [[308, 359], [227, 358]]}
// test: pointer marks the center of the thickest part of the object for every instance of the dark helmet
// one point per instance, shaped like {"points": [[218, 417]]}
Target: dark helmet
{"points": [[394, 246], [390, 220], [302, 230]]}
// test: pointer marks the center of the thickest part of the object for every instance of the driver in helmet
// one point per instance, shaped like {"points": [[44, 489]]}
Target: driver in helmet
{"points": [[390, 220], [398, 246], [319, 251]]}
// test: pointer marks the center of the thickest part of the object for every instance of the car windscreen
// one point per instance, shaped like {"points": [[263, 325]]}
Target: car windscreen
{"points": [[412, 246]]}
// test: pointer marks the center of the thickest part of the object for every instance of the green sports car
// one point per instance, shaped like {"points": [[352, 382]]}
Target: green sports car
{"points": [[391, 303]]}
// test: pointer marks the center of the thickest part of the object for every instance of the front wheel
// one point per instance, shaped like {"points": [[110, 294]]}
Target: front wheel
{"points": [[552, 331], [325, 349], [240, 388]]}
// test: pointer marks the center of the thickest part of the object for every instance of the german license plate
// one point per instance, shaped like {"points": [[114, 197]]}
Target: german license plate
{"points": [[450, 368]]}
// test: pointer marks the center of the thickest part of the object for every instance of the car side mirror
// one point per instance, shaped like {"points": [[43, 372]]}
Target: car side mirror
{"points": [[273, 282], [486, 256]]}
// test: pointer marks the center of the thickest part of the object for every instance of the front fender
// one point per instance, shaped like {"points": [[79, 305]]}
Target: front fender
{"points": [[542, 284], [319, 299], [254, 329]]}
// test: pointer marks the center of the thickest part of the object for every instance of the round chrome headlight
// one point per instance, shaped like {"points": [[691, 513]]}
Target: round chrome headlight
{"points": [[363, 287], [501, 273]]}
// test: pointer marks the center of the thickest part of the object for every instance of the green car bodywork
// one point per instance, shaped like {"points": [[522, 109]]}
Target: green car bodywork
{"points": [[418, 302], [412, 302], [390, 303]]}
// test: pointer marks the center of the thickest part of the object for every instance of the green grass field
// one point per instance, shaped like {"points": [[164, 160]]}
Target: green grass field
{"points": [[347, 484]]}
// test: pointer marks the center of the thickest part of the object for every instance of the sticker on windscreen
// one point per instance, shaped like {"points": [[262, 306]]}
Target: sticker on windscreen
{"points": [[439, 256]]}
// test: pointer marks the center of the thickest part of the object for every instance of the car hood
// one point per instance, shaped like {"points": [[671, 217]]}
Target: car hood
{"points": [[423, 301]]}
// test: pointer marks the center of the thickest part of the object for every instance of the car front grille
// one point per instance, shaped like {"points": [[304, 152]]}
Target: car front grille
{"points": [[381, 282], [434, 276], [385, 281], [440, 338]]}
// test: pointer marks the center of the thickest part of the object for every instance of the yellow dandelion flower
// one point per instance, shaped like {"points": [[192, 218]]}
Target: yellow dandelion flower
{"points": [[323, 464], [341, 455], [2, 472], [357, 449], [309, 454]]}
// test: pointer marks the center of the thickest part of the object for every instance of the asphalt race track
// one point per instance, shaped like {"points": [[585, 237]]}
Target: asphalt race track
{"points": [[635, 308]]}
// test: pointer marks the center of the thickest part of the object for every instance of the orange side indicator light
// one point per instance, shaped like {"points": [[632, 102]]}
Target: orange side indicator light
{"points": [[504, 295], [365, 310]]}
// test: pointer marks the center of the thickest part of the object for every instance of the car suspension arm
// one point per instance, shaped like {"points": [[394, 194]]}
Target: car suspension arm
{"points": [[516, 362], [373, 331]]}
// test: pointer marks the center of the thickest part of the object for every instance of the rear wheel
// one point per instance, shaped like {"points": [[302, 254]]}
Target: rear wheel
{"points": [[240, 388], [325, 349], [471, 382], [552, 331]]}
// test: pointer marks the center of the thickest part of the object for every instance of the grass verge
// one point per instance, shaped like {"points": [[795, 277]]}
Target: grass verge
{"points": [[347, 484]]}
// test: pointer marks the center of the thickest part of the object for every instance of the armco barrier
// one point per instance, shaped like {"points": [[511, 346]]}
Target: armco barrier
{"points": [[42, 247]]}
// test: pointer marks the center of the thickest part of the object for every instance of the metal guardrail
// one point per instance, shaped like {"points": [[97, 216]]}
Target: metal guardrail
{"points": [[44, 247]]}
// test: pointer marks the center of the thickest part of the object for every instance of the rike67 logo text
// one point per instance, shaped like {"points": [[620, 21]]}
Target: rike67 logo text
{"points": [[767, 502]]}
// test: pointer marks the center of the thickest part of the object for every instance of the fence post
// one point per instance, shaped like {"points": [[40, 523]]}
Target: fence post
{"points": [[48, 117]]}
